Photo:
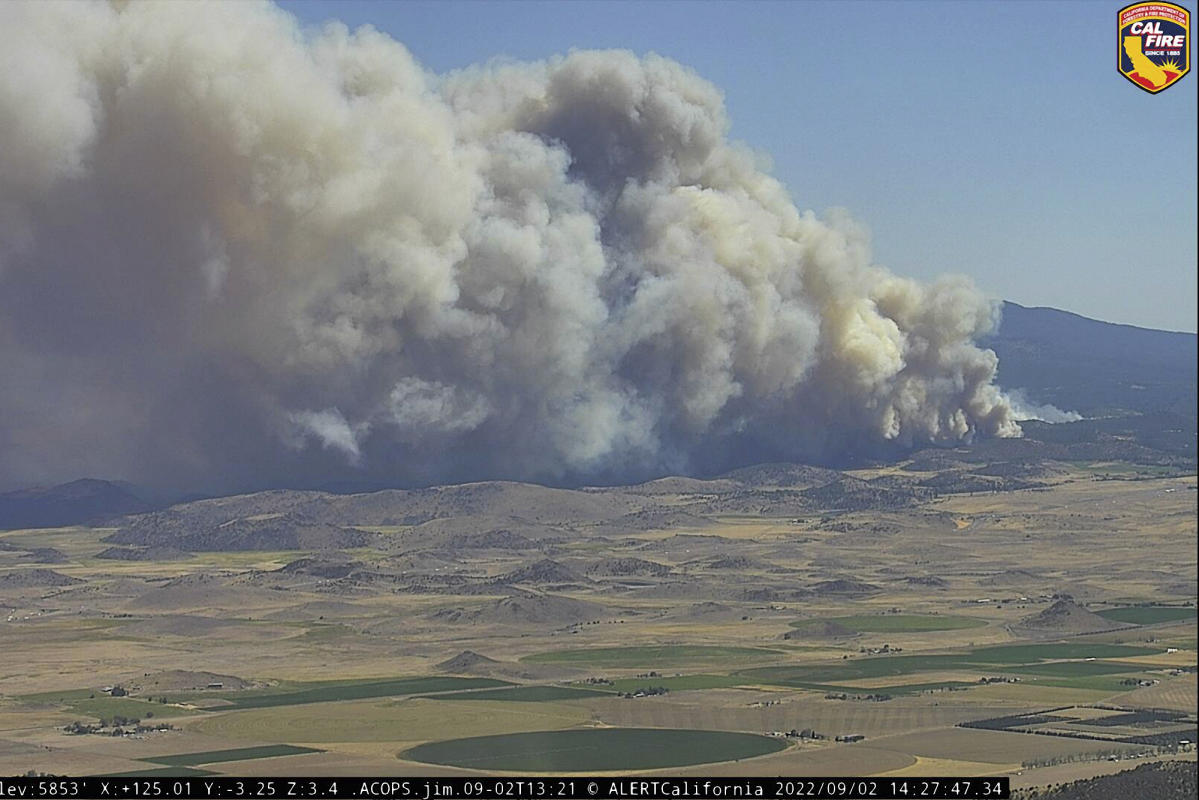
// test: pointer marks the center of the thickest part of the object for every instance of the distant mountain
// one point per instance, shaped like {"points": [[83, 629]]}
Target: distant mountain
{"points": [[1095, 368], [75, 503]]}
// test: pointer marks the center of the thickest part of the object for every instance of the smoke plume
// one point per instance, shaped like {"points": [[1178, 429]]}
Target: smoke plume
{"points": [[1024, 408], [235, 252]]}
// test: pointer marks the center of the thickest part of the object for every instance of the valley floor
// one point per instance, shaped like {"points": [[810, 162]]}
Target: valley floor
{"points": [[1044, 631]]}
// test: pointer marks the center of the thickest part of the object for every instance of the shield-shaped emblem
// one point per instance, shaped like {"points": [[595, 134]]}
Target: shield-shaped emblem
{"points": [[1153, 44]]}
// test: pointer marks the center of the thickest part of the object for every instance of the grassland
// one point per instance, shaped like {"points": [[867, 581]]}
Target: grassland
{"points": [[1178, 692], [653, 657], [677, 683], [898, 623], [595, 750], [409, 720], [1121, 469], [90, 703], [995, 747]]}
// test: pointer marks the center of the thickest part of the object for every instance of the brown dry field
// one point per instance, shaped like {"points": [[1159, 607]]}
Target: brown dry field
{"points": [[996, 557], [1081, 770], [925, 765], [1177, 693], [833, 761], [1003, 748], [405, 722], [832, 718]]}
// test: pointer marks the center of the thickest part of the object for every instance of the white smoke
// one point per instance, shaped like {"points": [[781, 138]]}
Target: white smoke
{"points": [[1025, 409], [329, 428], [235, 251]]}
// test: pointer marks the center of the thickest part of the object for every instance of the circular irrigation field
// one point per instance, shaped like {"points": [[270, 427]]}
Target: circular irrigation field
{"points": [[594, 749]]}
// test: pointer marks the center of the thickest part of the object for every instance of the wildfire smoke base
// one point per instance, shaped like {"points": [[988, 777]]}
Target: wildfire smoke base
{"points": [[235, 253]]}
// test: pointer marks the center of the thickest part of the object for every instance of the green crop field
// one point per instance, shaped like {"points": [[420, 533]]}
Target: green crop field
{"points": [[237, 754], [594, 749], [1027, 653], [652, 657], [1099, 683], [90, 703], [325, 692], [1010, 658], [1147, 615], [897, 623], [1075, 669], [523, 694], [853, 669], [106, 707]]}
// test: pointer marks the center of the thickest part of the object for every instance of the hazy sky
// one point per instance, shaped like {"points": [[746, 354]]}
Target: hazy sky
{"points": [[994, 139]]}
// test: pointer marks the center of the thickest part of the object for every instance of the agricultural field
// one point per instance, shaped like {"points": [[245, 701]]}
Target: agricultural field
{"points": [[521, 694], [597, 750], [165, 772], [236, 754], [1103, 724], [298, 694], [676, 683], [653, 656], [93, 703], [1176, 693], [1000, 748], [418, 719], [695, 647], [1147, 615], [898, 623], [1074, 661]]}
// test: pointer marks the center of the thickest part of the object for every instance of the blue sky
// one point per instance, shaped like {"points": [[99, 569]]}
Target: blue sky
{"points": [[994, 139]]}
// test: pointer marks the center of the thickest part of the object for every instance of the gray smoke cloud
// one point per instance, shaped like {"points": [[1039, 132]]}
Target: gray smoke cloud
{"points": [[235, 252]]}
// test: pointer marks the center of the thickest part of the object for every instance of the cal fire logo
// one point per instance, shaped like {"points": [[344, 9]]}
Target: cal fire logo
{"points": [[1155, 44]]}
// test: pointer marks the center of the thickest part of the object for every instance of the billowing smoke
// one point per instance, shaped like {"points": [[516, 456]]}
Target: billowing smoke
{"points": [[235, 253]]}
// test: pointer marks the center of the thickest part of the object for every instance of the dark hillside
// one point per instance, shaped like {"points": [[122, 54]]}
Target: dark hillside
{"points": [[78, 502], [1094, 367]]}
